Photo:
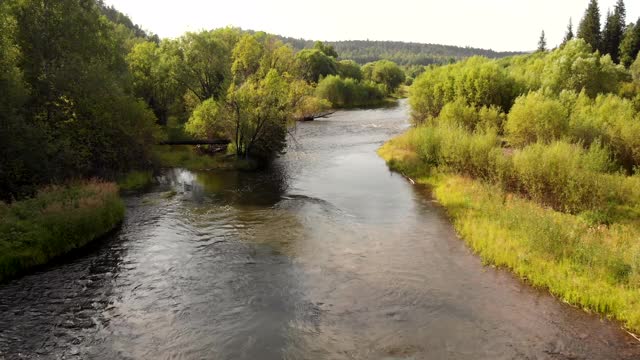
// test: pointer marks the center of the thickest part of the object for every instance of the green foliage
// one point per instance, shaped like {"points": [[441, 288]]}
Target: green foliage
{"points": [[542, 43], [630, 45], [71, 109], [349, 92], [315, 64], [325, 49], [635, 69], [58, 220], [576, 67], [568, 36], [385, 72], [610, 120], [536, 117], [481, 82], [563, 176], [152, 68], [614, 31], [208, 121], [349, 69], [589, 28]]}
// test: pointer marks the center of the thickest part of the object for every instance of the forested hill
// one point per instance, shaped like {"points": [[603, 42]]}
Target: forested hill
{"points": [[403, 53], [117, 17]]}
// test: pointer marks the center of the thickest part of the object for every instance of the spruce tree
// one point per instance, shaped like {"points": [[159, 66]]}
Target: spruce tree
{"points": [[630, 45], [542, 43], [569, 35], [614, 31], [589, 28]]}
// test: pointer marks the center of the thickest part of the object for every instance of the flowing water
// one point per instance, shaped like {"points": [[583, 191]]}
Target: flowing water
{"points": [[328, 255]]}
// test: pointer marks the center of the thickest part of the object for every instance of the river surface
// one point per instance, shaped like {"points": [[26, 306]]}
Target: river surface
{"points": [[327, 255]]}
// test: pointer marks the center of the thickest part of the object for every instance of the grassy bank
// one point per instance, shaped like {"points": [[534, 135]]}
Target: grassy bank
{"points": [[188, 157], [589, 257], [57, 220]]}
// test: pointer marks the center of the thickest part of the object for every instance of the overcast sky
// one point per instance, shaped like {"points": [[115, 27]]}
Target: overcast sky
{"points": [[495, 24]]}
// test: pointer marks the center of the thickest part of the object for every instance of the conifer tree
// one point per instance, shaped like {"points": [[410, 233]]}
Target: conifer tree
{"points": [[542, 43], [630, 45], [569, 34], [589, 28], [614, 31]]}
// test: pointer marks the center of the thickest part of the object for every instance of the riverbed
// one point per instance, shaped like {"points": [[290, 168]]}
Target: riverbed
{"points": [[326, 255]]}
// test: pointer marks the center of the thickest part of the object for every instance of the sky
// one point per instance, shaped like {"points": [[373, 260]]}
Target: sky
{"points": [[501, 25]]}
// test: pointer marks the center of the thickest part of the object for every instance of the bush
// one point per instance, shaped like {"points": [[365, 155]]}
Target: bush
{"points": [[563, 176], [536, 117], [349, 92], [479, 81], [611, 120]]}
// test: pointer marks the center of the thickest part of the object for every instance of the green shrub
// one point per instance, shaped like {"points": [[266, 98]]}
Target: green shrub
{"points": [[536, 117], [563, 176], [479, 81], [349, 92]]}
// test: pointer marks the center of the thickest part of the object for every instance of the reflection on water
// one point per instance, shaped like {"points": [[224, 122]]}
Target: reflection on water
{"points": [[327, 255]]}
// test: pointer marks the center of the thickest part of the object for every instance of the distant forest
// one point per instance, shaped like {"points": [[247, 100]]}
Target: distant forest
{"points": [[360, 51], [402, 53]]}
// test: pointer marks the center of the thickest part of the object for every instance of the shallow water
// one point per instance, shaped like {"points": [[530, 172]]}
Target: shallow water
{"points": [[326, 256]]}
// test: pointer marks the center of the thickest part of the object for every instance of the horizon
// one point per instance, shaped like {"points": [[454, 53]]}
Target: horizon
{"points": [[424, 24]]}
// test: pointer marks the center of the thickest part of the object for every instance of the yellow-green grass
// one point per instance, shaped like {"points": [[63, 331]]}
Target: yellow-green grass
{"points": [[56, 221], [187, 157], [594, 267]]}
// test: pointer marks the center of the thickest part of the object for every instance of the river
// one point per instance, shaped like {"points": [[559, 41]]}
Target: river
{"points": [[328, 255]]}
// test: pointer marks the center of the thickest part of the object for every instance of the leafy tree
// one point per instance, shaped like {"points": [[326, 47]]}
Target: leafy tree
{"points": [[480, 81], [589, 28], [630, 45], [151, 67], [202, 74], [315, 64], [536, 117], [349, 92], [349, 69], [77, 107], [576, 67], [542, 43], [568, 36], [387, 73], [209, 120], [326, 49]]}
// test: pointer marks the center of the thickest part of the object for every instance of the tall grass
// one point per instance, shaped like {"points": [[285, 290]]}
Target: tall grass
{"points": [[57, 220], [557, 214]]}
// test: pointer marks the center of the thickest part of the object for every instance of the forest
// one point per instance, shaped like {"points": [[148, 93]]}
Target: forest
{"points": [[93, 92], [88, 96], [537, 159]]}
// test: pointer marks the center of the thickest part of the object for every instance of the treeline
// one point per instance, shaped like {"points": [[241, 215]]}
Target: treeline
{"points": [[616, 38], [67, 108], [402, 53], [87, 93]]}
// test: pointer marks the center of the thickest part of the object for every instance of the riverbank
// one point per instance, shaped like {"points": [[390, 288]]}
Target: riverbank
{"points": [[591, 266], [187, 157], [56, 221]]}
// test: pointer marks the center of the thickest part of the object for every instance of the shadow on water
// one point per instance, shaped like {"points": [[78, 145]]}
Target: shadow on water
{"points": [[326, 255]]}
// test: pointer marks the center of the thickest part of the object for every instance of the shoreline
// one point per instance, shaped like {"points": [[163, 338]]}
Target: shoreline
{"points": [[498, 227]]}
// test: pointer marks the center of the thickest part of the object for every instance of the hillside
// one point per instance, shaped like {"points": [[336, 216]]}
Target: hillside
{"points": [[403, 53]]}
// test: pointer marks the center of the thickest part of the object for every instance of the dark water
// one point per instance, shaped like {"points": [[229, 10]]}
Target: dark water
{"points": [[326, 256]]}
